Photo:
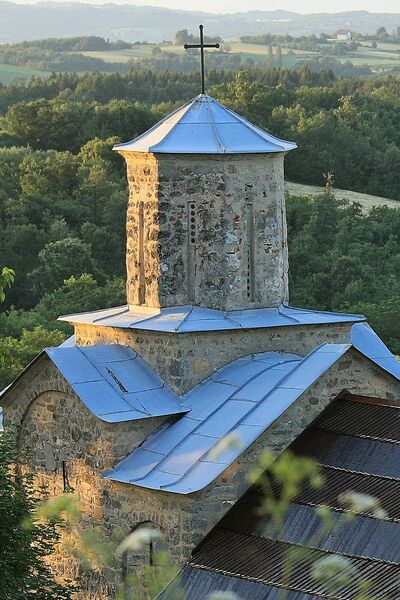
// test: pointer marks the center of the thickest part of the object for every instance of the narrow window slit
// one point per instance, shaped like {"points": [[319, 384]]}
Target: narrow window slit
{"points": [[142, 279], [250, 253]]}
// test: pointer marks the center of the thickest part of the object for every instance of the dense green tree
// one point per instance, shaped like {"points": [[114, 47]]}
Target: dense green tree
{"points": [[58, 261]]}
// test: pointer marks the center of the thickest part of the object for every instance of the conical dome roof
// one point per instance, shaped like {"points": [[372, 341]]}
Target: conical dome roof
{"points": [[204, 126]]}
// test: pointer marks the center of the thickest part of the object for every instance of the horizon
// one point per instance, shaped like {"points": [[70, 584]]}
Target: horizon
{"points": [[239, 6]]}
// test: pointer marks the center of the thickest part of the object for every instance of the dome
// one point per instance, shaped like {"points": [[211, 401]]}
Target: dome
{"points": [[205, 126]]}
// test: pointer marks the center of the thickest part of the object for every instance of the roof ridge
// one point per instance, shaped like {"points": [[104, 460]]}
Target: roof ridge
{"points": [[234, 391], [219, 141]]}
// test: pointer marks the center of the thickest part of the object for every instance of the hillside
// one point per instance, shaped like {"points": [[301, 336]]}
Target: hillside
{"points": [[26, 22], [366, 200]]}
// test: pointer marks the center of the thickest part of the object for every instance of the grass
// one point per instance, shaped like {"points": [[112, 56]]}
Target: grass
{"points": [[366, 201], [9, 73]]}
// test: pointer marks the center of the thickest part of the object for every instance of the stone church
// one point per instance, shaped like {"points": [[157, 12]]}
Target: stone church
{"points": [[130, 412]]}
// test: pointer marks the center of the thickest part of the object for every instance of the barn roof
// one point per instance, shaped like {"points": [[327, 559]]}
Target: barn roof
{"points": [[205, 126]]}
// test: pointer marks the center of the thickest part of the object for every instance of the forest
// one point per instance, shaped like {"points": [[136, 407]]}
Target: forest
{"points": [[63, 191]]}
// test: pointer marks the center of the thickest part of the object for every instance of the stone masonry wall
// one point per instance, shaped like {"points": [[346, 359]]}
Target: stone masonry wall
{"points": [[68, 447], [58, 427], [206, 230], [185, 359]]}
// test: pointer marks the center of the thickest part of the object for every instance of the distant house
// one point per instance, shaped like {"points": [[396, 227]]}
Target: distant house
{"points": [[342, 35]]}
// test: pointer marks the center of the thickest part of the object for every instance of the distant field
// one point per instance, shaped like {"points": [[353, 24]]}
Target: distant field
{"points": [[122, 56], [381, 57], [256, 52], [365, 200], [9, 73]]}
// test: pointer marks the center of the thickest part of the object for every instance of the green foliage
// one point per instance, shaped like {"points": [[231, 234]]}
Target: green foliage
{"points": [[290, 472], [16, 354], [342, 259], [59, 260], [7, 277], [24, 334], [345, 128], [83, 292], [24, 574], [63, 190], [47, 198]]}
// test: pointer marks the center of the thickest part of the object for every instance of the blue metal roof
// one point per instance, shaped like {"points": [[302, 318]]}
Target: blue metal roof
{"points": [[114, 382], [370, 344], [243, 399], [186, 319], [204, 126]]}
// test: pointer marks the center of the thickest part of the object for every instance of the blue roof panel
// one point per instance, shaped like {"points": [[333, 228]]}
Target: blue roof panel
{"points": [[254, 394], [100, 398], [186, 319], [226, 418], [115, 383], [73, 364], [205, 126], [364, 338]]}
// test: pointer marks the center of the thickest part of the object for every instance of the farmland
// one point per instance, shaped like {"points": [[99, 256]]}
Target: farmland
{"points": [[384, 57], [9, 73], [366, 200]]}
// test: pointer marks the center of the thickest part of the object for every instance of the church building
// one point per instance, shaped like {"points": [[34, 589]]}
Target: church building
{"points": [[132, 410]]}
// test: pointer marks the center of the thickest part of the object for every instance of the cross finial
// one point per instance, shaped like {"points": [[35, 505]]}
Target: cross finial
{"points": [[202, 45]]}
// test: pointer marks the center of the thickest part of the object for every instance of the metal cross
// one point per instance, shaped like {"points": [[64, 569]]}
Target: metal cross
{"points": [[202, 45]]}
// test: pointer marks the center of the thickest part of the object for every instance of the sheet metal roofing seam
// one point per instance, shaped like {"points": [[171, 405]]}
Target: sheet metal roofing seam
{"points": [[189, 461], [114, 382], [204, 126], [186, 319]]}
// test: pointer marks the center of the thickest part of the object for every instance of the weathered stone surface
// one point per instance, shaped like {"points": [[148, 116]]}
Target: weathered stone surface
{"points": [[185, 359], [206, 230]]}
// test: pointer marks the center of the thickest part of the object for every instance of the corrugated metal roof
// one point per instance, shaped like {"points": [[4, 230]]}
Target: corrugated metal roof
{"points": [[338, 480], [248, 549], [362, 420], [263, 559], [361, 536], [197, 584], [204, 126], [114, 382], [242, 399], [351, 453], [187, 319]]}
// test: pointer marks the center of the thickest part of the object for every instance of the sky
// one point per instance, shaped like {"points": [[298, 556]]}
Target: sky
{"points": [[222, 6]]}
